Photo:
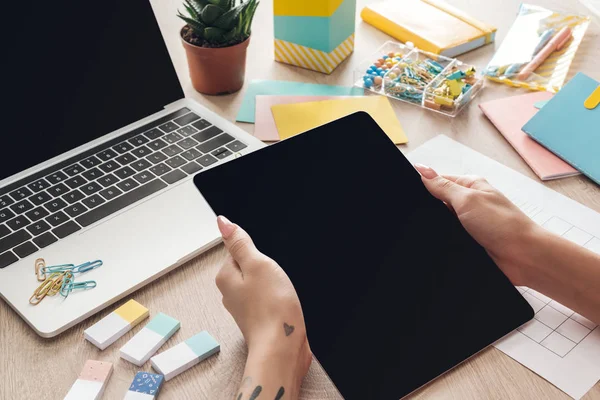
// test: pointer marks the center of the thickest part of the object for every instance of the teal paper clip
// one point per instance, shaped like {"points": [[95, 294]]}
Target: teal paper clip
{"points": [[69, 285], [57, 268], [87, 266]]}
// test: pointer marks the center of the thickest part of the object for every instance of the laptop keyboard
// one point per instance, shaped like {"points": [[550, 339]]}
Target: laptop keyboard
{"points": [[59, 201]]}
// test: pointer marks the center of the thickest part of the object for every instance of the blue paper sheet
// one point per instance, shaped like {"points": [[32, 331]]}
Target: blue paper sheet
{"points": [[570, 130], [262, 87]]}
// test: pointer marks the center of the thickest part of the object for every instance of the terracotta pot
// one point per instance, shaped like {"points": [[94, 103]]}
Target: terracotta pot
{"points": [[218, 70]]}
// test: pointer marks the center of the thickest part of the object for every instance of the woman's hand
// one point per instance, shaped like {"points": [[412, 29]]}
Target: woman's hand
{"points": [[489, 217], [262, 300]]}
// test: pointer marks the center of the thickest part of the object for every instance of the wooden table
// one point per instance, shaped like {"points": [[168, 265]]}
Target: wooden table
{"points": [[32, 367]]}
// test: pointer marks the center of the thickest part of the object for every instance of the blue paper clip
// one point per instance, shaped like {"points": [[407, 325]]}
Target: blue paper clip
{"points": [[57, 268], [69, 285], [87, 266]]}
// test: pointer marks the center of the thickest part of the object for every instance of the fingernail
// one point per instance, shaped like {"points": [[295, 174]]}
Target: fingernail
{"points": [[225, 226], [425, 171]]}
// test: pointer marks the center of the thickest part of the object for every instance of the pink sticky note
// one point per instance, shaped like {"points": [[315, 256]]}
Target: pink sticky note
{"points": [[264, 125]]}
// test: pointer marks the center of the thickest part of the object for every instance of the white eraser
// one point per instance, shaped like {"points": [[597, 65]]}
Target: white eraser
{"points": [[185, 355], [91, 381], [110, 328], [145, 386], [146, 342]]}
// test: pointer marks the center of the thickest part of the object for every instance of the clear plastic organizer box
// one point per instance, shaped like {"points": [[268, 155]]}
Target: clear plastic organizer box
{"points": [[441, 84]]}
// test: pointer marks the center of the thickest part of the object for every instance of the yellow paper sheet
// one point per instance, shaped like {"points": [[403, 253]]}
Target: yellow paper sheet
{"points": [[292, 119]]}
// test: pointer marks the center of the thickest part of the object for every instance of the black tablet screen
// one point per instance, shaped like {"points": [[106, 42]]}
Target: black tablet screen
{"points": [[394, 290]]}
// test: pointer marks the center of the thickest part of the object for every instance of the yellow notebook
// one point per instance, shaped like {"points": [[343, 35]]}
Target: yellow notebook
{"points": [[431, 25]]}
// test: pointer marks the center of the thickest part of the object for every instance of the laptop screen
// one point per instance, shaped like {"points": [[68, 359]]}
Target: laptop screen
{"points": [[75, 72]]}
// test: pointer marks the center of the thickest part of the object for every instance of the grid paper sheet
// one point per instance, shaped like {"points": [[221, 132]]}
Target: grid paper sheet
{"points": [[558, 344]]}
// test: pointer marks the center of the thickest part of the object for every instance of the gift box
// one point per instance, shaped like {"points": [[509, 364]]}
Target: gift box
{"points": [[314, 34]]}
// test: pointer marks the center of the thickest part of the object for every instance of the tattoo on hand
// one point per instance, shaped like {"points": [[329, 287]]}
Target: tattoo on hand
{"points": [[280, 393], [255, 393], [289, 329]]}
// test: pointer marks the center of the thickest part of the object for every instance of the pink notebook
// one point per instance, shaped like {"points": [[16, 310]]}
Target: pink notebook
{"points": [[509, 115]]}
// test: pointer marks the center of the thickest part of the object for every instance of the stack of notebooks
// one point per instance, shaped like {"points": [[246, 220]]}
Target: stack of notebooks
{"points": [[557, 135]]}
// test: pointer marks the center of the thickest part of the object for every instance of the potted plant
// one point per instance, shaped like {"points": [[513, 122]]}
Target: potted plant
{"points": [[215, 38]]}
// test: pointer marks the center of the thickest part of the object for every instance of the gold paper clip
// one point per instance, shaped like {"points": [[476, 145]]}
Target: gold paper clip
{"points": [[40, 264]]}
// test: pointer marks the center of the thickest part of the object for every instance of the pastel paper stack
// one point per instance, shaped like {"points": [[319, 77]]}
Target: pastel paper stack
{"points": [[147, 341], [314, 34], [91, 381], [110, 328], [145, 386]]}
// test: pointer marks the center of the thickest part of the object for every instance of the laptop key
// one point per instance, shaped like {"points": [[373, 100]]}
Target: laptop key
{"points": [[127, 199], [5, 215], [222, 153], [173, 176], [21, 207], [56, 177], [215, 143], [13, 240], [201, 124], [7, 258], [109, 166], [172, 137], [169, 127], [17, 223], [66, 229], [141, 165], [21, 193], [123, 147], [157, 144], [191, 154], [44, 240], [5, 201], [108, 180], [186, 119], [236, 146], [90, 188], [138, 140], [127, 185], [106, 154], [187, 143], [175, 162], [206, 134], [191, 167], [73, 196], [75, 210], [110, 193], [206, 160], [4, 230], [37, 228], [126, 158], [58, 190], [160, 169], [93, 201], [37, 213], [142, 151], [25, 249], [90, 162], [73, 170], [157, 157], [38, 185], [154, 133], [57, 218], [75, 182], [92, 174], [187, 131], [40, 198], [125, 172], [55, 205], [172, 150], [144, 177]]}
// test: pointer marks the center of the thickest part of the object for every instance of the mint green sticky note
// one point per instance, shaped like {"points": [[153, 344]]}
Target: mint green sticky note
{"points": [[540, 104], [281, 88], [164, 325]]}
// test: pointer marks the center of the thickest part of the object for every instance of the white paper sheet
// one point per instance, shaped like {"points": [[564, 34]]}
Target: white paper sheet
{"points": [[561, 346]]}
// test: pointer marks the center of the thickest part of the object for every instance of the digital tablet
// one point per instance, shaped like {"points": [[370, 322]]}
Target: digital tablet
{"points": [[395, 292]]}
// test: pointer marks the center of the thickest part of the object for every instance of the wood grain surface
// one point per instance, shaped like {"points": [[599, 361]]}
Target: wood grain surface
{"points": [[35, 368]]}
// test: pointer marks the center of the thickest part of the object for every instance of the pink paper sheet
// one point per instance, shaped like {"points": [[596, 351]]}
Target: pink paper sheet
{"points": [[264, 125]]}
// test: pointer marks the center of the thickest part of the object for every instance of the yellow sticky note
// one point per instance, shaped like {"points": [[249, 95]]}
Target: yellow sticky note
{"points": [[594, 99], [292, 119], [132, 312]]}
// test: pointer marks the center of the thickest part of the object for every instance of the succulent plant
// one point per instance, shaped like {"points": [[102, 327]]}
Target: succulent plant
{"points": [[220, 22]]}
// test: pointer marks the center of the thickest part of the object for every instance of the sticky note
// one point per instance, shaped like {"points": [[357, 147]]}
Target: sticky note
{"points": [[145, 386], [110, 328], [147, 341], [265, 128], [185, 355], [263, 87], [592, 102], [292, 119], [91, 381]]}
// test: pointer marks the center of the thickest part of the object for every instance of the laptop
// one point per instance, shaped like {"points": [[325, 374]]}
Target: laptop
{"points": [[99, 150], [394, 290]]}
